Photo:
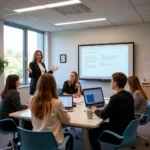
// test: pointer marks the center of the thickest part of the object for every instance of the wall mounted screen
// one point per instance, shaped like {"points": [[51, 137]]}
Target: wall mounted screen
{"points": [[100, 61]]}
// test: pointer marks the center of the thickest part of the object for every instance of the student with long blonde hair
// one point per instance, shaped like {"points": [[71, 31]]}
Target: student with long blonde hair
{"points": [[47, 112], [72, 86], [140, 98]]}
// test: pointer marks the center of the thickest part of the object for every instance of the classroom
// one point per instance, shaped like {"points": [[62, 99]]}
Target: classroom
{"points": [[126, 21]]}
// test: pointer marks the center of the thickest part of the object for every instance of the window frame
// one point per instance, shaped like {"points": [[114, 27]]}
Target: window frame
{"points": [[25, 46]]}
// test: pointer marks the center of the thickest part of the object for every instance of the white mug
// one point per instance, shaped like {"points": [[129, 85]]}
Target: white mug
{"points": [[89, 114]]}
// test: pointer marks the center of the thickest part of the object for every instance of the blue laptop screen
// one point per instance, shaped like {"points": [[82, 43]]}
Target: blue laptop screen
{"points": [[93, 96]]}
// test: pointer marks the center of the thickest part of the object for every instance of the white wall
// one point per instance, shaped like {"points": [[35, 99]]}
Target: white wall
{"points": [[67, 43]]}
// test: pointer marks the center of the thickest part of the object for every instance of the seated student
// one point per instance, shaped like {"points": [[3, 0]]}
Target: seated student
{"points": [[140, 98], [72, 86], [120, 111], [47, 112], [10, 97]]}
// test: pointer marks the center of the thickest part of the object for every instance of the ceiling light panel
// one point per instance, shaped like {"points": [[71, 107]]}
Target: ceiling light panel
{"points": [[52, 5]]}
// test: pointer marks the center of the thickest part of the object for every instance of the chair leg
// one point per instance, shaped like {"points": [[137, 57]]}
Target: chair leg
{"points": [[143, 138]]}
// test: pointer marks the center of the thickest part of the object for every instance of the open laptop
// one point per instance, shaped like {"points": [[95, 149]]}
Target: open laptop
{"points": [[67, 100], [94, 97]]}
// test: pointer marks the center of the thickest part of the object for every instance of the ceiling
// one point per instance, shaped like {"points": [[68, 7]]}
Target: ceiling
{"points": [[117, 12]]}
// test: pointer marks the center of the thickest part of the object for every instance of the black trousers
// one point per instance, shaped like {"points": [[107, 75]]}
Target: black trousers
{"points": [[95, 133], [70, 142]]}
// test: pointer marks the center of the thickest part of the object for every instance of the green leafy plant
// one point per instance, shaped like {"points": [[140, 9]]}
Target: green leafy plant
{"points": [[3, 65]]}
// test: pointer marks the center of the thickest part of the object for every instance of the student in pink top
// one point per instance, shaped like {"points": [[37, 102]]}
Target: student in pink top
{"points": [[47, 112]]}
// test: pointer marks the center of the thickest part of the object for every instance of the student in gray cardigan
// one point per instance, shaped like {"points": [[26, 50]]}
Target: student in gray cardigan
{"points": [[10, 97], [140, 98]]}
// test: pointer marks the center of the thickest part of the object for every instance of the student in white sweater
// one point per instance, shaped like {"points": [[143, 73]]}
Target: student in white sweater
{"points": [[48, 113], [140, 98]]}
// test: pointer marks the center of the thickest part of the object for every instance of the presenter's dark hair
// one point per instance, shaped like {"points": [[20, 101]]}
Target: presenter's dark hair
{"points": [[10, 84], [41, 103], [120, 78], [134, 84], [35, 53]]}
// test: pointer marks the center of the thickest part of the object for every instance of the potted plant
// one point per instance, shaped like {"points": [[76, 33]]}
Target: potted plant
{"points": [[3, 65]]}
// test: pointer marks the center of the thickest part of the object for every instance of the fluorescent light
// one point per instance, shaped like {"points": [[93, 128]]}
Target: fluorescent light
{"points": [[63, 3], [30, 9], [71, 2], [82, 21]]}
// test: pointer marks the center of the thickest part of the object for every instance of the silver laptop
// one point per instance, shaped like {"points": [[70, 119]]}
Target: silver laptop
{"points": [[94, 97], [67, 100]]}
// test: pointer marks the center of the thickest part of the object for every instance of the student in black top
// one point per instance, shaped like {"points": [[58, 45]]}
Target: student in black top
{"points": [[10, 97], [120, 111], [36, 68], [72, 86]]}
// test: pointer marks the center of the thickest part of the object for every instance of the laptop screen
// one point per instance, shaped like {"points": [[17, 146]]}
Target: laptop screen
{"points": [[67, 100], [93, 96]]}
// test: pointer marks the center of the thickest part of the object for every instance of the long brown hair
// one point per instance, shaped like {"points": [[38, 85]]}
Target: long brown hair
{"points": [[41, 102], [35, 53], [76, 78], [10, 84], [134, 84]]}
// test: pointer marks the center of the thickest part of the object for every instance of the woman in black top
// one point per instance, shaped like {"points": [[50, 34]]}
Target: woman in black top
{"points": [[72, 86], [10, 97], [36, 68]]}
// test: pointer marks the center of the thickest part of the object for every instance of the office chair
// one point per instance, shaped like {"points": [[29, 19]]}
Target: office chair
{"points": [[143, 122], [12, 129], [128, 137], [59, 91], [42, 140]]}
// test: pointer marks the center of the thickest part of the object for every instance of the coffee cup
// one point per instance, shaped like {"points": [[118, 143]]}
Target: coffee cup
{"points": [[89, 114]]}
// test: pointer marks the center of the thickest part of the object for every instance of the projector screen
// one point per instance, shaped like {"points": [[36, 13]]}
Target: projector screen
{"points": [[100, 61]]}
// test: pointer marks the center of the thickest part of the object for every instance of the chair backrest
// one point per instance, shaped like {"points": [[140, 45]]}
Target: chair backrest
{"points": [[59, 91], [7, 126], [130, 132], [148, 111], [37, 140]]}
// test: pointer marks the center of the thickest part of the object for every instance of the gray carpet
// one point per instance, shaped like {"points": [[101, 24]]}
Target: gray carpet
{"points": [[78, 145], [140, 144]]}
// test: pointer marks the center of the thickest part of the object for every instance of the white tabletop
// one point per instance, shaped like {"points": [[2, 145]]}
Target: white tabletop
{"points": [[78, 116]]}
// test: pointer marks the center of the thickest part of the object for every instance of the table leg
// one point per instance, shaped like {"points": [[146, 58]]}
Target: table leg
{"points": [[85, 139], [21, 122]]}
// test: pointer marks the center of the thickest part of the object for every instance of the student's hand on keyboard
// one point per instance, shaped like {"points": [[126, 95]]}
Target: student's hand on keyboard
{"points": [[93, 108]]}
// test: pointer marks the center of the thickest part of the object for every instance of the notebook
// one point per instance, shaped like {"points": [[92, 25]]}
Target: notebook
{"points": [[94, 97], [67, 100]]}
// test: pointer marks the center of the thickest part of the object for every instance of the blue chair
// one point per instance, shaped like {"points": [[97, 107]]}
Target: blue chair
{"points": [[59, 91], [145, 121], [42, 140], [128, 137], [12, 129]]}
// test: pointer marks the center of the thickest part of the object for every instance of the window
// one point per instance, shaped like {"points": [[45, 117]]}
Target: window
{"points": [[35, 42], [19, 46]]}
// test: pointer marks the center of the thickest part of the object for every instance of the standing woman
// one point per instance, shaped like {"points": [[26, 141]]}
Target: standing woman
{"points": [[47, 112], [10, 97], [140, 98], [36, 69], [72, 86]]}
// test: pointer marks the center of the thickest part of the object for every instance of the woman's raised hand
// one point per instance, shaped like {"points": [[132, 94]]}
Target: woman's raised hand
{"points": [[30, 70], [54, 68]]}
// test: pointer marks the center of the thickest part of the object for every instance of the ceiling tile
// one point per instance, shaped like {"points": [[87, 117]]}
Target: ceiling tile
{"points": [[96, 5], [146, 18], [48, 15], [122, 12], [84, 16], [140, 2], [126, 20], [16, 4], [143, 10], [42, 2]]}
